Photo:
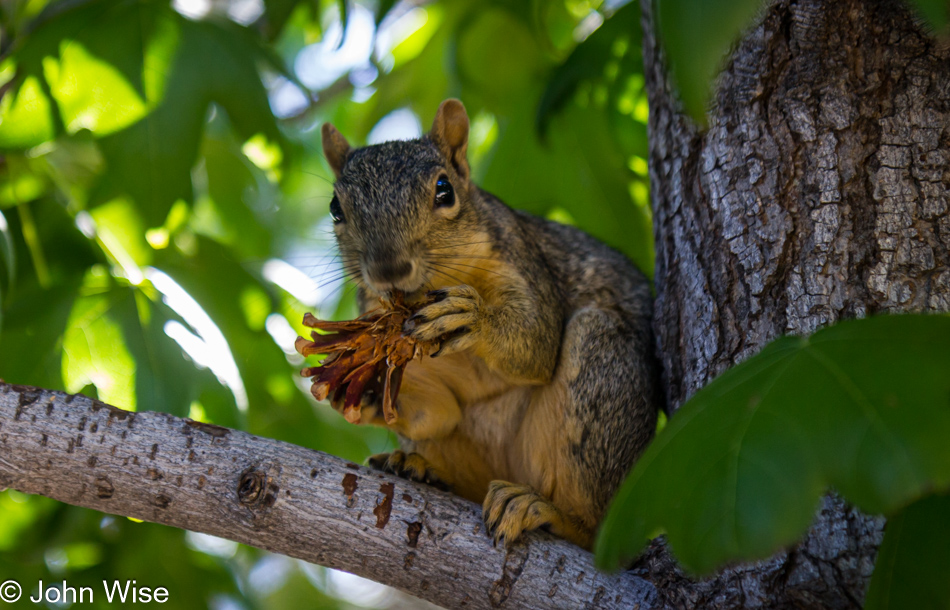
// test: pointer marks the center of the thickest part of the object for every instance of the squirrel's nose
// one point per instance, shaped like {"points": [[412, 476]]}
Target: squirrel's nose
{"points": [[390, 271]]}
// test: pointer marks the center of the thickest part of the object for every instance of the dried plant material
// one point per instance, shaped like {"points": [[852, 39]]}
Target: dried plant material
{"points": [[367, 354]]}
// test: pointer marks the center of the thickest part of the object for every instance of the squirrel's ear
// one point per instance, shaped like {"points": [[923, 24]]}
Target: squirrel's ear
{"points": [[450, 134], [335, 148]]}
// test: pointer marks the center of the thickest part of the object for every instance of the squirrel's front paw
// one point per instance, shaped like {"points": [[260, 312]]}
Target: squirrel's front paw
{"points": [[410, 466], [509, 510], [456, 316]]}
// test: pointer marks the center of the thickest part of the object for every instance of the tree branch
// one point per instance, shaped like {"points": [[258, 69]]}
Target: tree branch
{"points": [[289, 500]]}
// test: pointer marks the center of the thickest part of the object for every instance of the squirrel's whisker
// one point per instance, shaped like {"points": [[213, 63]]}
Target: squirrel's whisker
{"points": [[448, 275], [316, 175], [335, 259], [331, 281], [334, 274], [336, 265], [341, 274], [334, 291]]}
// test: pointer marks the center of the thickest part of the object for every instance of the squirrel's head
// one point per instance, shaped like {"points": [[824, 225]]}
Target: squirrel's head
{"points": [[396, 204]]}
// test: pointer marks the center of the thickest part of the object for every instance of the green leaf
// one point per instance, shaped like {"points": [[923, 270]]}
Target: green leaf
{"points": [[235, 186], [165, 380], [152, 160], [121, 234], [487, 40], [141, 78], [34, 316], [936, 14], [912, 563], [20, 182], [25, 116], [276, 15], [861, 407], [106, 107], [102, 62], [19, 513], [581, 170], [31, 338], [697, 36], [94, 349], [613, 48]]}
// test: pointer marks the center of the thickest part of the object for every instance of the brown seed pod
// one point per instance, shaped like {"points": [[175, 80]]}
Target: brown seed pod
{"points": [[365, 354]]}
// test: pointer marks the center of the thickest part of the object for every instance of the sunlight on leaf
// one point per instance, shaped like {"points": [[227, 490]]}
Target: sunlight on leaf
{"points": [[122, 233], [25, 116], [411, 33], [263, 153], [91, 93], [208, 348], [94, 349]]}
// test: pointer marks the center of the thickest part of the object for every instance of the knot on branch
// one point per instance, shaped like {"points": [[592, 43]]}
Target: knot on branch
{"points": [[256, 489]]}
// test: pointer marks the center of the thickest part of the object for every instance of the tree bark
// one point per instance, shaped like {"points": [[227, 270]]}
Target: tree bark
{"points": [[289, 500], [819, 192]]}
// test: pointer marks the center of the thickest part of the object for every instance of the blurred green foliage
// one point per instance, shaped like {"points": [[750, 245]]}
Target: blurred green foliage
{"points": [[163, 217]]}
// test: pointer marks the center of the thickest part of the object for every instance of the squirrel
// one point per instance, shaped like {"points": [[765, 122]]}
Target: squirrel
{"points": [[545, 388]]}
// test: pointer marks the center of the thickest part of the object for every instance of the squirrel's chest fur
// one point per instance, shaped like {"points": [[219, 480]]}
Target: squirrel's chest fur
{"points": [[506, 430]]}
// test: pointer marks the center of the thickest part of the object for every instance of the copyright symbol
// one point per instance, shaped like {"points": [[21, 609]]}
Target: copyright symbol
{"points": [[10, 591]]}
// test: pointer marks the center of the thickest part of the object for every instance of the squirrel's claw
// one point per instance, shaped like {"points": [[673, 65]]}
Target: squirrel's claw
{"points": [[411, 466], [460, 340], [510, 510], [457, 312]]}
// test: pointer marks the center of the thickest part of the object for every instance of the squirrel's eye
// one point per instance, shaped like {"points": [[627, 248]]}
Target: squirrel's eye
{"points": [[336, 212], [444, 194]]}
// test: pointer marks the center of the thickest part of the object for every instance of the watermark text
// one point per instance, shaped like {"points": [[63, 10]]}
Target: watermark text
{"points": [[112, 591]]}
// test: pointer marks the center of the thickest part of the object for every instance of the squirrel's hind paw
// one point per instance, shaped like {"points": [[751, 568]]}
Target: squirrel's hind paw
{"points": [[509, 510], [410, 466]]}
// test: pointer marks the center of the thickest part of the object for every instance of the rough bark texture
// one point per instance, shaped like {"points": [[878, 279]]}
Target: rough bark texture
{"points": [[819, 192], [289, 500]]}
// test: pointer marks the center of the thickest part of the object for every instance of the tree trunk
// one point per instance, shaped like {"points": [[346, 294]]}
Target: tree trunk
{"points": [[819, 192]]}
